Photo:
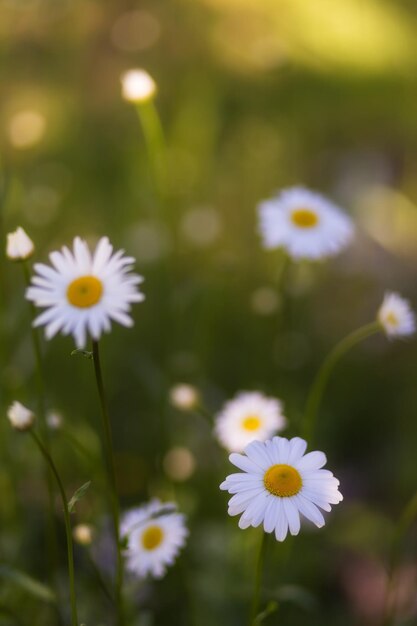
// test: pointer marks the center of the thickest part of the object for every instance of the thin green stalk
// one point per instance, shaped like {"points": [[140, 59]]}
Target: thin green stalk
{"points": [[68, 531], [155, 142], [408, 516], [114, 501], [320, 382], [258, 580]]}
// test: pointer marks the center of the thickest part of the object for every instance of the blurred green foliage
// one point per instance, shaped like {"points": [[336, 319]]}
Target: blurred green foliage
{"points": [[253, 96]]}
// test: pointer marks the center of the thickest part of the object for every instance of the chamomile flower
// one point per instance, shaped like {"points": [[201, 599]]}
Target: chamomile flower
{"points": [[305, 223], [396, 316], [249, 416], [155, 533], [83, 292], [279, 482]]}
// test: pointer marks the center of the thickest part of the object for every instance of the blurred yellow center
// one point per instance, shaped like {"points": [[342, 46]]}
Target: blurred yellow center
{"points": [[252, 422], [283, 480], [85, 291], [152, 537], [392, 319], [304, 218]]}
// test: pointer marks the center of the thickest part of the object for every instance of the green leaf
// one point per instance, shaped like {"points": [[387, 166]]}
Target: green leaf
{"points": [[270, 608], [80, 352], [31, 585], [80, 493]]}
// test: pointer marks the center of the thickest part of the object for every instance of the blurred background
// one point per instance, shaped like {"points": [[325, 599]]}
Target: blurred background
{"points": [[253, 96]]}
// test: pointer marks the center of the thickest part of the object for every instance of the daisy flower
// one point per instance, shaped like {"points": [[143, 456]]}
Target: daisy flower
{"points": [[155, 534], [279, 482], [396, 316], [83, 292], [305, 223], [20, 417], [249, 416], [19, 245]]}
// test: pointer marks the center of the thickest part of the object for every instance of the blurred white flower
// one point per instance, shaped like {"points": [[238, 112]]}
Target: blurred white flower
{"points": [[184, 397], [21, 418], [305, 223], [83, 534], [155, 534], [138, 86], [249, 416], [54, 421], [396, 316], [279, 482], [82, 292], [19, 245]]}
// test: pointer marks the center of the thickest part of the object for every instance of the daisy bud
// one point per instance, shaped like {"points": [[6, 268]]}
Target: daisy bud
{"points": [[54, 421], [20, 417], [19, 245], [184, 397], [396, 316], [138, 86], [83, 534]]}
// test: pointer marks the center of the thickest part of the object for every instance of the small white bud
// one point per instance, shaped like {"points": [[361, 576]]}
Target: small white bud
{"points": [[19, 245], [184, 397], [83, 534], [138, 86], [20, 417], [54, 421]]}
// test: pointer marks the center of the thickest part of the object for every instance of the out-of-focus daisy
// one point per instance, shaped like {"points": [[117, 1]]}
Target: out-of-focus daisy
{"points": [[83, 534], [155, 534], [83, 292], [249, 416], [184, 397], [279, 482], [305, 223], [19, 246], [20, 417], [396, 316], [138, 86]]}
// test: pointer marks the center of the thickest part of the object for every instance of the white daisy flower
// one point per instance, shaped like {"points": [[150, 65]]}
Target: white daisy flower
{"points": [[155, 534], [305, 223], [138, 86], [20, 417], [19, 245], [249, 416], [280, 482], [396, 316], [83, 292]]}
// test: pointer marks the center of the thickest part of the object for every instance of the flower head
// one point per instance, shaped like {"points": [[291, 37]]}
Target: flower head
{"points": [[278, 483], [83, 534], [305, 223], [138, 86], [21, 418], [184, 397], [155, 533], [19, 246], [83, 292], [396, 316], [249, 416]]}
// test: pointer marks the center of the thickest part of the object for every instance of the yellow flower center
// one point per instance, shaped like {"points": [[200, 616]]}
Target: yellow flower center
{"points": [[304, 218], [391, 319], [85, 291], [152, 537], [283, 480], [252, 422]]}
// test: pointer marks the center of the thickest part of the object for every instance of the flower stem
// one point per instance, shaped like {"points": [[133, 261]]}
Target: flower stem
{"points": [[114, 501], [320, 382], [155, 142], [258, 579], [408, 515], [70, 550]]}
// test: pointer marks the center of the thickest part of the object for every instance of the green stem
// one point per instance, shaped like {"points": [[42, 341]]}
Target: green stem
{"points": [[320, 382], [155, 142], [408, 516], [114, 501], [68, 531], [258, 580]]}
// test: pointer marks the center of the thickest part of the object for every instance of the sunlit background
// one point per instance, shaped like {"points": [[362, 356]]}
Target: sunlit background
{"points": [[253, 96]]}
